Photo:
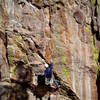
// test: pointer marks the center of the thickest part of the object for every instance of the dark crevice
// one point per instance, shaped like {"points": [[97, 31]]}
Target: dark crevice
{"points": [[21, 3], [94, 28], [34, 4], [37, 46], [98, 35], [58, 8], [61, 3], [99, 58], [95, 11], [40, 54], [2, 36], [38, 51], [37, 6], [45, 6], [29, 0], [6, 44]]}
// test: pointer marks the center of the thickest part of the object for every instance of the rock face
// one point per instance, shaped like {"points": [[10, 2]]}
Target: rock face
{"points": [[3, 60], [32, 32]]}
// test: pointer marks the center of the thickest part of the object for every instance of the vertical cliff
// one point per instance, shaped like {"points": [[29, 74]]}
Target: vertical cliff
{"points": [[32, 32]]}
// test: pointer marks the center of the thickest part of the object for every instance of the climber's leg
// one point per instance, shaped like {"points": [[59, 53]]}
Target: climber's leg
{"points": [[56, 83]]}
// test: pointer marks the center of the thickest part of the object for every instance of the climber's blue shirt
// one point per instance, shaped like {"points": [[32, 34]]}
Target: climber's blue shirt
{"points": [[48, 71]]}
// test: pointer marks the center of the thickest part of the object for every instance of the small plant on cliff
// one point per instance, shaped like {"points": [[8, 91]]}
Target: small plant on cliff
{"points": [[93, 2], [95, 52], [98, 2], [95, 55], [94, 49], [66, 73]]}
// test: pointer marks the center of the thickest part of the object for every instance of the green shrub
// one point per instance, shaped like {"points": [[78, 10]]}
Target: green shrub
{"points": [[94, 49], [98, 2], [66, 72], [93, 1]]}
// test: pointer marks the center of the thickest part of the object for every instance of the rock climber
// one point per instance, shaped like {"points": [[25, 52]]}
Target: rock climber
{"points": [[48, 76], [48, 73]]}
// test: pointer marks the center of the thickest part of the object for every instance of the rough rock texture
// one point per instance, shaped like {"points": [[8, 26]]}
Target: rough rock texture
{"points": [[33, 32], [95, 24]]}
